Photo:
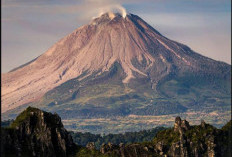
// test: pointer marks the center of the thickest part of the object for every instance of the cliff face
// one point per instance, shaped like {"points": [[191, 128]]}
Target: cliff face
{"points": [[181, 141], [36, 133]]}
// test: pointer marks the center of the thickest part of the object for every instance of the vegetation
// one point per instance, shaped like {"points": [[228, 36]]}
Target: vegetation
{"points": [[126, 138], [227, 127], [200, 139], [84, 152], [197, 133], [106, 97], [23, 116], [168, 136]]}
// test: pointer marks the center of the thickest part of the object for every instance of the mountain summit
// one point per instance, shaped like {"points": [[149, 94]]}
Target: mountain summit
{"points": [[119, 66]]}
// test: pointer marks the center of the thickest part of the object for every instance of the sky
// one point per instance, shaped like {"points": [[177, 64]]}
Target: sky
{"points": [[30, 27]]}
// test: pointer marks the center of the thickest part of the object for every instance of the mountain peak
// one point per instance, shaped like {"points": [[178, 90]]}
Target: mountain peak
{"points": [[92, 50], [107, 17], [112, 10], [112, 15]]}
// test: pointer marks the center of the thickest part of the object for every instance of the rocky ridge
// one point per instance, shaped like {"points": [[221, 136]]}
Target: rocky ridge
{"points": [[182, 140], [36, 133]]}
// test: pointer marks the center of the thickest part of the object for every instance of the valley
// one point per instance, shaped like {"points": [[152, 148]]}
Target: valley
{"points": [[137, 123]]}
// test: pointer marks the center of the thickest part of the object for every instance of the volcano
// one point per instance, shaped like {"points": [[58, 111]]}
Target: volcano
{"points": [[118, 66]]}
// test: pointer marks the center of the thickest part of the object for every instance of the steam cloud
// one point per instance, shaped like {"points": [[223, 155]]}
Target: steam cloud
{"points": [[100, 7], [113, 9]]}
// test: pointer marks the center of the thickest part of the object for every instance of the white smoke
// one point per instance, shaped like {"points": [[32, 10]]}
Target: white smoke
{"points": [[99, 7], [111, 9]]}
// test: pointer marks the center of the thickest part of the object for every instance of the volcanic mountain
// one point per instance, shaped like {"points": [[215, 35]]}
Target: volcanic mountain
{"points": [[118, 66]]}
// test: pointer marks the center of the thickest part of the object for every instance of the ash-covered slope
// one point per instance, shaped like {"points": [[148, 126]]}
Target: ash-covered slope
{"points": [[115, 61]]}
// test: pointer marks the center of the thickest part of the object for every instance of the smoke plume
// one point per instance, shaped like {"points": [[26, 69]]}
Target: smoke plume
{"points": [[99, 7], [113, 9]]}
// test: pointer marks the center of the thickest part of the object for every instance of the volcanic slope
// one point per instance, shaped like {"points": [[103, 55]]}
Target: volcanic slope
{"points": [[116, 66]]}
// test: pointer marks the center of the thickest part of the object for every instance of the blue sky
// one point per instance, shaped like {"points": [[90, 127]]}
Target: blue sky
{"points": [[30, 27]]}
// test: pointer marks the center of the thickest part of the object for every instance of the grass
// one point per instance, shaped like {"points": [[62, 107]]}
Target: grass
{"points": [[22, 117], [83, 152], [197, 133], [101, 91]]}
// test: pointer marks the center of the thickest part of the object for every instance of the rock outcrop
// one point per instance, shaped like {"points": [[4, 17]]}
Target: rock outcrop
{"points": [[36, 133], [132, 150], [182, 140], [202, 140], [90, 146]]}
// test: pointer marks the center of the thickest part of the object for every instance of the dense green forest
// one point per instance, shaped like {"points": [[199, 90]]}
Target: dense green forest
{"points": [[126, 138]]}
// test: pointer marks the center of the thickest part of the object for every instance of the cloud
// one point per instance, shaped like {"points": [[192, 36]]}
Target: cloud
{"points": [[93, 8], [83, 10]]}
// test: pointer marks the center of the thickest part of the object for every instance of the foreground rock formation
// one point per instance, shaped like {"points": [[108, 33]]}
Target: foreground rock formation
{"points": [[36, 133], [41, 134], [181, 141]]}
